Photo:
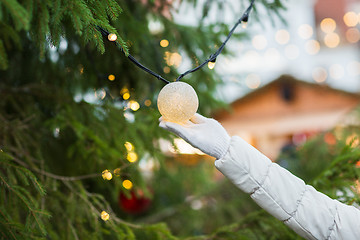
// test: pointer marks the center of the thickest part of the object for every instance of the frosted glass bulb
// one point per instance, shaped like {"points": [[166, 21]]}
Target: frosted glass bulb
{"points": [[177, 102]]}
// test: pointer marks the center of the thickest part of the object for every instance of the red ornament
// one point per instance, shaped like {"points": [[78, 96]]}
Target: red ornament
{"points": [[135, 204]]}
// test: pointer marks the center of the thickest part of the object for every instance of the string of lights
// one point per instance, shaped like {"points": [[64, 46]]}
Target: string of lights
{"points": [[244, 18]]}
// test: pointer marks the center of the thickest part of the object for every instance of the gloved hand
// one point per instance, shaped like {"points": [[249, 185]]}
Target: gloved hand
{"points": [[203, 133]]}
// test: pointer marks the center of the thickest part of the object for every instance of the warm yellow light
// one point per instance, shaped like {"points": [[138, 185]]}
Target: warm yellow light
{"points": [[328, 25], [126, 96], [353, 140], [312, 47], [106, 174], [244, 25], [305, 31], [104, 216], [127, 184], [111, 77], [117, 172], [166, 69], [132, 157], [350, 19], [164, 43], [332, 40], [175, 59], [211, 65], [319, 75], [352, 35], [112, 37], [147, 102], [177, 102], [134, 105], [129, 146], [282, 36]]}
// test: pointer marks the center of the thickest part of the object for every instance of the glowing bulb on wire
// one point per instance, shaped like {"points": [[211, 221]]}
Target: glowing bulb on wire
{"points": [[211, 65], [177, 102], [112, 37]]}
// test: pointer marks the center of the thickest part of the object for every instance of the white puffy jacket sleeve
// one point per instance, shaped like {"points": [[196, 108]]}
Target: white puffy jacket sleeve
{"points": [[308, 212]]}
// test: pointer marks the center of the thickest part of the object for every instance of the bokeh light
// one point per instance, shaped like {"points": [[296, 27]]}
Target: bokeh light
{"points": [[253, 81], [106, 174], [211, 65], [164, 43], [352, 35], [328, 25], [259, 42], [104, 216], [111, 77], [134, 105], [282, 36], [332, 40], [351, 19], [312, 47], [319, 74], [305, 31], [147, 102], [112, 37], [127, 184], [129, 146], [132, 157]]}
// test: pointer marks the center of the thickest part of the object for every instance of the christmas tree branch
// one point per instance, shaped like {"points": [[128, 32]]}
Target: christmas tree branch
{"points": [[54, 176]]}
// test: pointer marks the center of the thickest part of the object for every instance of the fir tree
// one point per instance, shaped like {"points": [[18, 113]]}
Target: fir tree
{"points": [[55, 142]]}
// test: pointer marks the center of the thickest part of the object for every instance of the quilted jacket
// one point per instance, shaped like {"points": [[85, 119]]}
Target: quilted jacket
{"points": [[310, 213]]}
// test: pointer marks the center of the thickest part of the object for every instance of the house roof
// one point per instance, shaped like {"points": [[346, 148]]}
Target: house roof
{"points": [[288, 90]]}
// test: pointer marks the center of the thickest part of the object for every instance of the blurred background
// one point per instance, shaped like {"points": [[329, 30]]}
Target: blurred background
{"points": [[81, 153]]}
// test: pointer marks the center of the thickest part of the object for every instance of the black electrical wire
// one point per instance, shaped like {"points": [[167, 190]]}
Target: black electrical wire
{"points": [[244, 18]]}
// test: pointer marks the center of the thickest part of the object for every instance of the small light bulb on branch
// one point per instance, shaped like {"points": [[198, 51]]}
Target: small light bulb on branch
{"points": [[177, 102], [112, 37], [104, 216], [244, 25], [106, 174], [211, 65]]}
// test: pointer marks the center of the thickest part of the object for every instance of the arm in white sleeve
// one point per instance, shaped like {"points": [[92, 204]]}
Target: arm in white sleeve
{"points": [[308, 212]]}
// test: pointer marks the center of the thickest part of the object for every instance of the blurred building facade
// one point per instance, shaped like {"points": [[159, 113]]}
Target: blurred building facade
{"points": [[286, 111], [319, 44]]}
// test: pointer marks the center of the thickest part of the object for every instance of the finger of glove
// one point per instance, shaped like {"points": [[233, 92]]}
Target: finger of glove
{"points": [[198, 118], [178, 129]]}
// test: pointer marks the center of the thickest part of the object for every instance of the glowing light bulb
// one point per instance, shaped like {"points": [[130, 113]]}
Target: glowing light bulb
{"points": [[132, 157], [127, 184], [244, 25], [104, 216], [129, 146], [211, 65], [177, 102], [164, 43], [134, 105], [106, 174], [111, 77], [112, 37]]}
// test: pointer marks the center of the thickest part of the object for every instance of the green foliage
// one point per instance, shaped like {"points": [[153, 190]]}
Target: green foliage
{"points": [[63, 122]]}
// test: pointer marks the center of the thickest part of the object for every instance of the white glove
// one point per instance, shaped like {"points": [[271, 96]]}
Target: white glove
{"points": [[203, 133]]}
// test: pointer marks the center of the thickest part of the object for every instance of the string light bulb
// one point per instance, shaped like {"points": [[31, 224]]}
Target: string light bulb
{"points": [[177, 102], [211, 65], [106, 174], [105, 216], [112, 37], [244, 25]]}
